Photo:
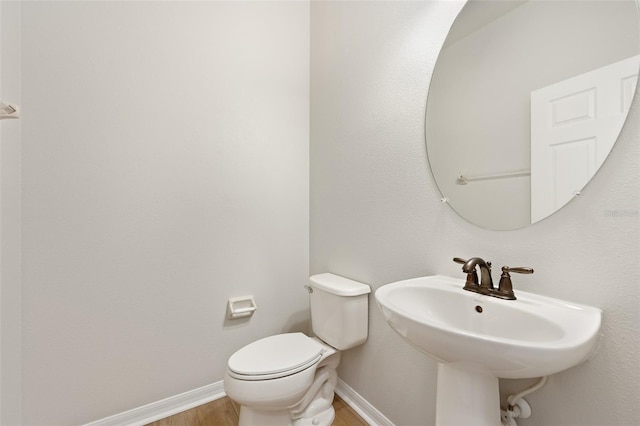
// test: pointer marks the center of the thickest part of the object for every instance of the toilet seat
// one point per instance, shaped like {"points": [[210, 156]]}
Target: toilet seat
{"points": [[274, 357]]}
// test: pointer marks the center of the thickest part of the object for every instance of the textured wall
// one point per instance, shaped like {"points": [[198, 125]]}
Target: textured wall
{"points": [[165, 169], [376, 217]]}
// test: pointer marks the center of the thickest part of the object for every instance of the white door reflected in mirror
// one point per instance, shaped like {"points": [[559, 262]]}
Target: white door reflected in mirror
{"points": [[574, 125]]}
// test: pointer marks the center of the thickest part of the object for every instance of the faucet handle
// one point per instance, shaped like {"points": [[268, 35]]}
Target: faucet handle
{"points": [[518, 270], [505, 286], [459, 260]]}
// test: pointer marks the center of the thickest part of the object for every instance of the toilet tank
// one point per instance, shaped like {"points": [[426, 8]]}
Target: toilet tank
{"points": [[339, 310]]}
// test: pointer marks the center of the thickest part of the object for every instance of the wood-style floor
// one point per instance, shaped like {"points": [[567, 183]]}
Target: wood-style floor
{"points": [[224, 412]]}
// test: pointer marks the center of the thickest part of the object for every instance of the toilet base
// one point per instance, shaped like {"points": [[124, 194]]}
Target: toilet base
{"points": [[324, 418], [252, 417]]}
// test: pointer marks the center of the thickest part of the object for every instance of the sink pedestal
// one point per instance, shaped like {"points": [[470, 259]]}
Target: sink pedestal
{"points": [[466, 397]]}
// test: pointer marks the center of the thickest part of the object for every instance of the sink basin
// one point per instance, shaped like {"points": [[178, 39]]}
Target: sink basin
{"points": [[528, 337], [478, 338]]}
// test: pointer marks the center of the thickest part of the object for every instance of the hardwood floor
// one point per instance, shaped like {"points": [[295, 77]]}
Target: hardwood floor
{"points": [[224, 412], [345, 416]]}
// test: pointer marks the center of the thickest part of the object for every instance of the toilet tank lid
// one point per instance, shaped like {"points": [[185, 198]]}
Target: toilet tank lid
{"points": [[337, 285]]}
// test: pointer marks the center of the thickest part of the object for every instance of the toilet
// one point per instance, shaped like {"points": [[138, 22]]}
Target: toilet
{"points": [[289, 379]]}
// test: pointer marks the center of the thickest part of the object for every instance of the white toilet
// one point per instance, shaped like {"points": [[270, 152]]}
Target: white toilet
{"points": [[289, 379]]}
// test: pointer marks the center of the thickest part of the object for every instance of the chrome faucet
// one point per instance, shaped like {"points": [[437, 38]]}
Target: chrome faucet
{"points": [[505, 287]]}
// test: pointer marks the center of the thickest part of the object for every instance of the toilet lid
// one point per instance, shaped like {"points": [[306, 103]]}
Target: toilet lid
{"points": [[275, 356]]}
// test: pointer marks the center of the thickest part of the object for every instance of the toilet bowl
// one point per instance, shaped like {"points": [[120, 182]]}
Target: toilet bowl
{"points": [[290, 378]]}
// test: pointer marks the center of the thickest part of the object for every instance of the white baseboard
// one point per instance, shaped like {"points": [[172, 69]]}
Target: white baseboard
{"points": [[361, 406], [176, 404], [164, 408]]}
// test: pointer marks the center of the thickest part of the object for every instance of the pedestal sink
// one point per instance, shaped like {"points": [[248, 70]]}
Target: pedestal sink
{"points": [[477, 339]]}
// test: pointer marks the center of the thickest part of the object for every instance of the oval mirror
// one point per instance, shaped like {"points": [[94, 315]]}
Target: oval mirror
{"points": [[526, 100]]}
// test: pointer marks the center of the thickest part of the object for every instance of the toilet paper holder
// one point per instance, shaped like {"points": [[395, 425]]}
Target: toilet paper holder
{"points": [[241, 307]]}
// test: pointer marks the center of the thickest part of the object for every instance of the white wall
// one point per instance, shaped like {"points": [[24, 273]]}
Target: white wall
{"points": [[376, 217], [10, 328], [165, 169]]}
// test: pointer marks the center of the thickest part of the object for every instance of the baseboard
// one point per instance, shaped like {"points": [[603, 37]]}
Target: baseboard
{"points": [[164, 408], [361, 406], [176, 404]]}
